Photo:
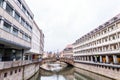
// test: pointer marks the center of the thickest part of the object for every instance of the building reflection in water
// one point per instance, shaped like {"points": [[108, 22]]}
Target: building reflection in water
{"points": [[81, 74], [36, 76], [68, 73], [65, 74]]}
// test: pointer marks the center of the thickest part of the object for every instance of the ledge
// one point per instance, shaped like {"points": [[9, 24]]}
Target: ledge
{"points": [[10, 64], [99, 64]]}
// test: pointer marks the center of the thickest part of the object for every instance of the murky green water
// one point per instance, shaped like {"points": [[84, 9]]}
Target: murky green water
{"points": [[69, 73]]}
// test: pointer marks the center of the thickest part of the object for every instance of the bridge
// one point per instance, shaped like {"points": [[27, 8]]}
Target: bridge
{"points": [[47, 60], [69, 61]]}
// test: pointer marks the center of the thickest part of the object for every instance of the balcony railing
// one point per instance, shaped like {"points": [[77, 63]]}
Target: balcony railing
{"points": [[9, 64], [99, 64]]}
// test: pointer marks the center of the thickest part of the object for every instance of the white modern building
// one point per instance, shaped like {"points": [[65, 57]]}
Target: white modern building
{"points": [[101, 45], [37, 44], [19, 34]]}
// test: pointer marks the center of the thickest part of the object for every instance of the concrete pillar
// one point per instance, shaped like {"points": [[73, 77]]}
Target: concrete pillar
{"points": [[109, 47], [115, 59], [107, 59], [21, 6], [1, 24], [20, 19], [88, 58], [14, 59], [82, 58], [92, 58], [95, 58], [11, 30], [85, 58], [13, 13], [100, 59], [4, 5], [29, 57], [102, 48]]}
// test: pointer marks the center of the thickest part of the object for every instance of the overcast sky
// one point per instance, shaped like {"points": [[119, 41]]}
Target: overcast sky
{"points": [[64, 21]]}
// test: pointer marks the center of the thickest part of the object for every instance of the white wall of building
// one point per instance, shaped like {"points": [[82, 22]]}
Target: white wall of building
{"points": [[35, 44]]}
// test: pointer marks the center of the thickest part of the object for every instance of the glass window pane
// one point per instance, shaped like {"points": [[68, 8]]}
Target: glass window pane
{"points": [[9, 9], [24, 9], [15, 31], [17, 16], [22, 21], [1, 2], [19, 3], [7, 27]]}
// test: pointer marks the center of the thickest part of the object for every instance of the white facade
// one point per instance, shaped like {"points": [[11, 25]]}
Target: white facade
{"points": [[36, 49], [100, 45], [19, 34], [41, 42], [35, 46]]}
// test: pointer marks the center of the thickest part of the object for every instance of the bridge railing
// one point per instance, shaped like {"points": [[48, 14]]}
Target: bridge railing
{"points": [[45, 60], [68, 60]]}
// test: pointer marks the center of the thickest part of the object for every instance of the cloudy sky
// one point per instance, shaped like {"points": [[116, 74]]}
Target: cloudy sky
{"points": [[64, 21]]}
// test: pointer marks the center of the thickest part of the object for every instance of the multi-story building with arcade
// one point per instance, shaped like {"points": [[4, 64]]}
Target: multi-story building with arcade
{"points": [[100, 48]]}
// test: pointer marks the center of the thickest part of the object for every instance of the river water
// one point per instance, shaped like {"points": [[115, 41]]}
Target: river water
{"points": [[68, 73]]}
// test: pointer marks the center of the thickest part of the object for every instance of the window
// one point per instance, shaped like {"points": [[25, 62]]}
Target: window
{"points": [[31, 17], [24, 9], [26, 37], [29, 28], [105, 39], [5, 74], [18, 2], [15, 31], [17, 16], [1, 2], [22, 21], [20, 33], [113, 37], [7, 26], [9, 9], [27, 25]]}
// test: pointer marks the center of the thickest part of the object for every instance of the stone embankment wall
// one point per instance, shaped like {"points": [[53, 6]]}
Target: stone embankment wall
{"points": [[110, 72], [18, 70]]}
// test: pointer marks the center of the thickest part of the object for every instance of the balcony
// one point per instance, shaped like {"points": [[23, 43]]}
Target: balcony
{"points": [[10, 39]]}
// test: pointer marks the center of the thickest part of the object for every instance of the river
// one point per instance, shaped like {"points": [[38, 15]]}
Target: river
{"points": [[68, 73]]}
